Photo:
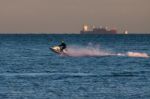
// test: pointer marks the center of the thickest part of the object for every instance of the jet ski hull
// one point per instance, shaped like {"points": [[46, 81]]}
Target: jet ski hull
{"points": [[57, 49]]}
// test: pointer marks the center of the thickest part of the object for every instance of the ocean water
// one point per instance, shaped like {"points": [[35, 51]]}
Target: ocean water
{"points": [[96, 67]]}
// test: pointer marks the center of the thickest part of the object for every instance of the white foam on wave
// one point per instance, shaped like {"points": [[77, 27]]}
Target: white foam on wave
{"points": [[134, 54], [45, 74], [137, 54]]}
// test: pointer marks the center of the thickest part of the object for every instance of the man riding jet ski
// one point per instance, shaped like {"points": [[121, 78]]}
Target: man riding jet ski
{"points": [[62, 46], [60, 49]]}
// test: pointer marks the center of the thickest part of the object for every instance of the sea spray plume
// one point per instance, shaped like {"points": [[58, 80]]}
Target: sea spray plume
{"points": [[95, 50], [90, 50]]}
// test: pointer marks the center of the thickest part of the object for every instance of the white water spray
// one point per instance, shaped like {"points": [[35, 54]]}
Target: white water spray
{"points": [[78, 51], [86, 51]]}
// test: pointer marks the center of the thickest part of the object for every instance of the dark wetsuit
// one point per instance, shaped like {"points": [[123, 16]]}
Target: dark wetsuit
{"points": [[62, 46]]}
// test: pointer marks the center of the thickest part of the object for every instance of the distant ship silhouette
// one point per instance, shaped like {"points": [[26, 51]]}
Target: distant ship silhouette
{"points": [[100, 30]]}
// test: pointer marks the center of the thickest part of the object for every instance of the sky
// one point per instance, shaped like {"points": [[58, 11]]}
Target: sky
{"points": [[68, 16]]}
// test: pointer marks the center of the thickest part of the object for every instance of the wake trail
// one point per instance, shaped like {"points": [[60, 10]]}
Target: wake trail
{"points": [[79, 51]]}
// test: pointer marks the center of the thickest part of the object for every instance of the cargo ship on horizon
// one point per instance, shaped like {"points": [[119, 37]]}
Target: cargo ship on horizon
{"points": [[100, 30]]}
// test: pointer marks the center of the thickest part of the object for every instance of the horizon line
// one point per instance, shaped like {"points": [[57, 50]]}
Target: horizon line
{"points": [[65, 33]]}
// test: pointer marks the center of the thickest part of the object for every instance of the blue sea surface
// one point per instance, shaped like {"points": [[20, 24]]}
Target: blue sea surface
{"points": [[30, 70]]}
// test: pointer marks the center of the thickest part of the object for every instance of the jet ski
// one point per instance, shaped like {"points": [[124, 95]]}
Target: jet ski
{"points": [[57, 49]]}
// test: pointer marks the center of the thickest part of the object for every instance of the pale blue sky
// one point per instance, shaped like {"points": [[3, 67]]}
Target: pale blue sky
{"points": [[69, 15]]}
